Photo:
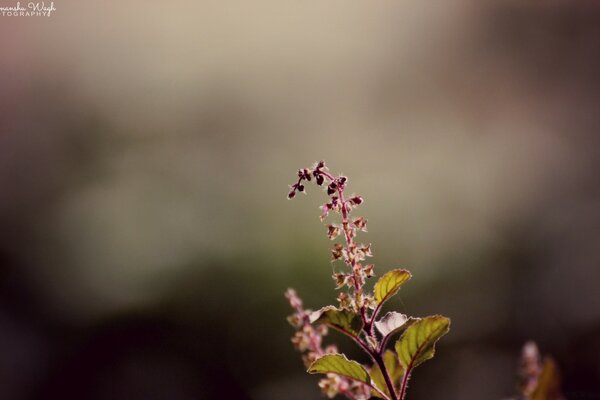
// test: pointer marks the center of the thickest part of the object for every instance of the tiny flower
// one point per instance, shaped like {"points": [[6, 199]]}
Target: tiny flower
{"points": [[330, 385], [333, 231], [300, 341], [325, 208], [336, 251], [340, 279], [369, 302], [309, 358], [345, 300], [292, 296], [367, 250], [295, 320], [368, 270], [331, 349], [322, 330], [360, 223], [360, 390]]}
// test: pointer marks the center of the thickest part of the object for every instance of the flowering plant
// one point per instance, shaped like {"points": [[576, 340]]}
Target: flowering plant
{"points": [[357, 314]]}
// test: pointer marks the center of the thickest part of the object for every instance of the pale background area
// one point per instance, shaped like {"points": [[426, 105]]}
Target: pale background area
{"points": [[145, 153]]}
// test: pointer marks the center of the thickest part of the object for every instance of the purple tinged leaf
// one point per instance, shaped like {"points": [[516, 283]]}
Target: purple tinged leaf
{"points": [[391, 323]]}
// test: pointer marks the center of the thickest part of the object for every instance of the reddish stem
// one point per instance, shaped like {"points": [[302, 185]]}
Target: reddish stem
{"points": [[404, 384]]}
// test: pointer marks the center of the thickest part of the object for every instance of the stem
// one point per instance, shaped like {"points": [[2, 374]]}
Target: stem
{"points": [[349, 244], [404, 384], [386, 376], [376, 357], [375, 313]]}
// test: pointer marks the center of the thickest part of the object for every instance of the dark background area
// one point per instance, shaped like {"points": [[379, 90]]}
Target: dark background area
{"points": [[145, 153]]}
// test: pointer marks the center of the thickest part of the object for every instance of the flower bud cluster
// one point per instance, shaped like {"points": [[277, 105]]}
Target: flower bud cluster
{"points": [[319, 172], [350, 252], [307, 339], [334, 384]]}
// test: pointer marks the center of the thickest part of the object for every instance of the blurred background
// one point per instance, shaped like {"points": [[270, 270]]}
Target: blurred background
{"points": [[146, 150]]}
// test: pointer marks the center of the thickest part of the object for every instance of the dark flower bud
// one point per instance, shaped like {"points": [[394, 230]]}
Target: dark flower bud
{"points": [[331, 188], [319, 179], [320, 164], [291, 194], [356, 200], [300, 173], [342, 180], [301, 188]]}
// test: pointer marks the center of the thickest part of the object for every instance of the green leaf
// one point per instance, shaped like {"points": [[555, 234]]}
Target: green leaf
{"points": [[417, 343], [339, 364], [343, 320], [394, 369], [389, 284]]}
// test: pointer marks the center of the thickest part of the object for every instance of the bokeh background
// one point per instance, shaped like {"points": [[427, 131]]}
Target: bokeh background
{"points": [[145, 154]]}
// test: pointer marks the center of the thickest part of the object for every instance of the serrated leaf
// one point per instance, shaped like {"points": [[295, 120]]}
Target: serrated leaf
{"points": [[394, 369], [344, 320], [417, 343], [339, 364], [392, 322], [389, 284]]}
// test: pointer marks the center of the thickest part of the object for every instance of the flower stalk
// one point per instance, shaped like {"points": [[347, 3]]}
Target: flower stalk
{"points": [[358, 309]]}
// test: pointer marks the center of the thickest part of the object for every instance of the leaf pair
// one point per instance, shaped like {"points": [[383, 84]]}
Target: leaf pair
{"points": [[415, 346], [351, 323]]}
